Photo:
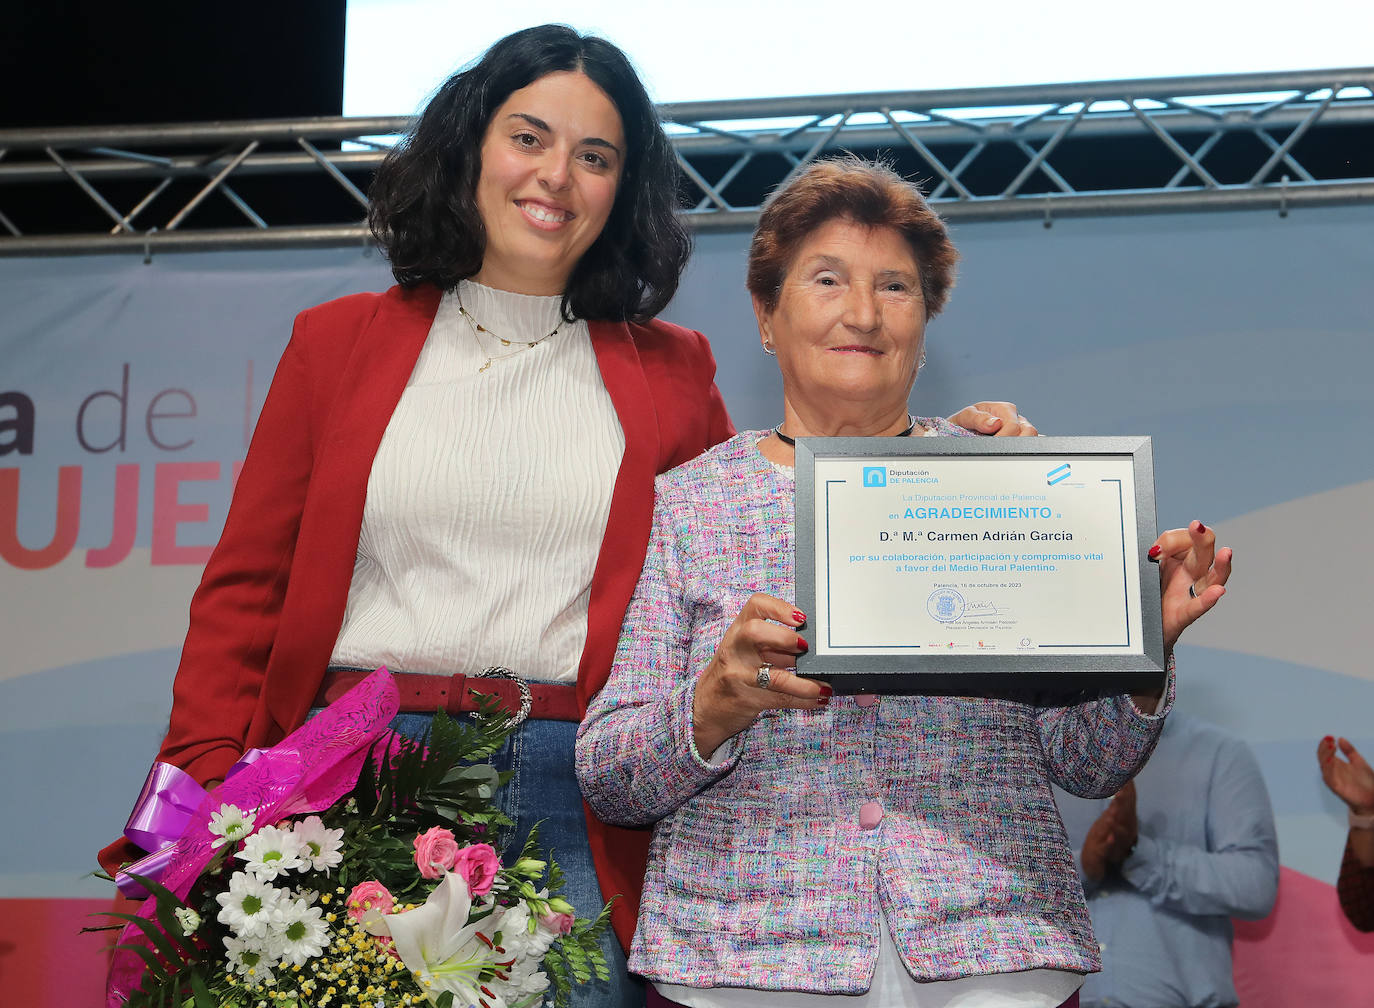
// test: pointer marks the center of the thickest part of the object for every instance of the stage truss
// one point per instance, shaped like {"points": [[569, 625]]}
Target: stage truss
{"points": [[1277, 141]]}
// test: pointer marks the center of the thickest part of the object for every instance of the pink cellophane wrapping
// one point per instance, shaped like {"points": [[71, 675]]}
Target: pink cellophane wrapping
{"points": [[308, 771]]}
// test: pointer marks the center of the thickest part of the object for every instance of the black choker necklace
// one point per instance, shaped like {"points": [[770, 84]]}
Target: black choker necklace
{"points": [[793, 441]]}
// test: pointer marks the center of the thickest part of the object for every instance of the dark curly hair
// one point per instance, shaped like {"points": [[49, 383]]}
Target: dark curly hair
{"points": [[423, 199], [867, 192]]}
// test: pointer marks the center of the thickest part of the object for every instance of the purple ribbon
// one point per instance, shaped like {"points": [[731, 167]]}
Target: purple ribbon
{"points": [[169, 798]]}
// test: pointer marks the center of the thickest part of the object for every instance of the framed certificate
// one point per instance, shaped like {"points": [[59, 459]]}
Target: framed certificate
{"points": [[973, 565]]}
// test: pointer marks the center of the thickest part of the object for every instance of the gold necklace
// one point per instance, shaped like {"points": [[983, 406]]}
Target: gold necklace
{"points": [[520, 345]]}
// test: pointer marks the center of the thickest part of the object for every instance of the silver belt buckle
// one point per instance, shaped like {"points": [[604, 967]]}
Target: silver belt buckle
{"points": [[526, 697]]}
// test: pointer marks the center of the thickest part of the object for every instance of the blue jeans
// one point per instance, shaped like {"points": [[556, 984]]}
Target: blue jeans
{"points": [[543, 789]]}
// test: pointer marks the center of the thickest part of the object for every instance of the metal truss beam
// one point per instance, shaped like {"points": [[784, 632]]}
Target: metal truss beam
{"points": [[1276, 141]]}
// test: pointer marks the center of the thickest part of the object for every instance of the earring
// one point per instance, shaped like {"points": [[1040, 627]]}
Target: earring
{"points": [[768, 349]]}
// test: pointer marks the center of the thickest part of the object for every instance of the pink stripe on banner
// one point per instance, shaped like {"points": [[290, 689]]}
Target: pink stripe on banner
{"points": [[45, 960], [1305, 952]]}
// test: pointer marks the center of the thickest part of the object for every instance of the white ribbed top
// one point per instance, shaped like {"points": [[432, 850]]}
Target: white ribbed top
{"points": [[487, 501]]}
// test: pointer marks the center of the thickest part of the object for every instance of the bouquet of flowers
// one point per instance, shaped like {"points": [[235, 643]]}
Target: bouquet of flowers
{"points": [[349, 867]]}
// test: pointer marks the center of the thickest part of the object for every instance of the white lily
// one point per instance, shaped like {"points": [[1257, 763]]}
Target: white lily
{"points": [[441, 948]]}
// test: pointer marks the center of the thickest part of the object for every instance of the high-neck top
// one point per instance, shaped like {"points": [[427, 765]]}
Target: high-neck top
{"points": [[488, 497]]}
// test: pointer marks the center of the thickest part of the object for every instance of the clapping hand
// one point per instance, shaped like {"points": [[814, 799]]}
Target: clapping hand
{"points": [[1112, 837], [1350, 779]]}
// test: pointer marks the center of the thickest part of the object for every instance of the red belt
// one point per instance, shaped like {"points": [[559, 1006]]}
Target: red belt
{"points": [[453, 694]]}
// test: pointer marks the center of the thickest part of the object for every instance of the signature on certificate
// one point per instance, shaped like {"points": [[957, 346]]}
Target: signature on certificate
{"points": [[975, 608]]}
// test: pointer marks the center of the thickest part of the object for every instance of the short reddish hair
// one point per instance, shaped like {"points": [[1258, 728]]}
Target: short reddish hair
{"points": [[869, 193]]}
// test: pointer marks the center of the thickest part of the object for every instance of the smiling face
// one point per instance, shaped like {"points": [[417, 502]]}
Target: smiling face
{"points": [[551, 161], [848, 330]]}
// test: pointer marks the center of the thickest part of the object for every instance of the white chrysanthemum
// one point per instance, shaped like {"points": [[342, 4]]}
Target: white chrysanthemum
{"points": [[522, 986], [301, 932], [188, 919], [525, 942], [249, 960], [230, 824], [522, 936], [271, 851], [321, 848], [251, 906]]}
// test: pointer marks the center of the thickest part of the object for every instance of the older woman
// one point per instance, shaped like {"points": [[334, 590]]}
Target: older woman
{"points": [[454, 477], [907, 847]]}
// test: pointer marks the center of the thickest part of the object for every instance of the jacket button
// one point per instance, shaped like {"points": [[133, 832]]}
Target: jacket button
{"points": [[865, 699], [870, 814]]}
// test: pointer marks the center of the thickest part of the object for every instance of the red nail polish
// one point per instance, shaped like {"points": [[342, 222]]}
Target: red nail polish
{"points": [[1201, 528], [801, 643], [1155, 550], [826, 692], [799, 616]]}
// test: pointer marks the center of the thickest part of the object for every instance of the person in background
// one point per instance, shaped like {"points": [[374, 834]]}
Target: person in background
{"points": [[861, 851], [454, 478], [1351, 779], [1184, 847]]}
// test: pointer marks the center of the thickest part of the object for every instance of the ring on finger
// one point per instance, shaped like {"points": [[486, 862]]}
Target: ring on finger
{"points": [[764, 675], [1192, 591]]}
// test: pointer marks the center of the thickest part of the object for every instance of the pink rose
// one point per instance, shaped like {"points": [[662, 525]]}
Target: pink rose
{"points": [[369, 896], [435, 851], [478, 865], [558, 923]]}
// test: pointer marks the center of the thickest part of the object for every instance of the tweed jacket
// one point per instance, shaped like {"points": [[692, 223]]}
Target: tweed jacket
{"points": [[760, 874], [272, 598]]}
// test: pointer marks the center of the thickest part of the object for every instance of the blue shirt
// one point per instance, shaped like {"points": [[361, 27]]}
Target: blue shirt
{"points": [[1206, 852]]}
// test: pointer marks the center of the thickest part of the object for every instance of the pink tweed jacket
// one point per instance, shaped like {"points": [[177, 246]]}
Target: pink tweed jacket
{"points": [[760, 873]]}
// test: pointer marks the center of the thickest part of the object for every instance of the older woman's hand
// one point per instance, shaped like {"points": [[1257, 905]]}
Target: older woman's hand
{"points": [[999, 419], [1188, 558], [749, 673]]}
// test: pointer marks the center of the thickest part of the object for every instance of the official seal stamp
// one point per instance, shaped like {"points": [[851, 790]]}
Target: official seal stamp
{"points": [[945, 605]]}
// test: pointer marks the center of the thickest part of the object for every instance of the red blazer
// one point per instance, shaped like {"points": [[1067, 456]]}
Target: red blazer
{"points": [[268, 610]]}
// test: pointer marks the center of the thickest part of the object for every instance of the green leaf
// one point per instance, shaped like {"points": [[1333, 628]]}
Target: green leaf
{"points": [[156, 971], [478, 773], [557, 969], [577, 961], [168, 951], [166, 902], [203, 998]]}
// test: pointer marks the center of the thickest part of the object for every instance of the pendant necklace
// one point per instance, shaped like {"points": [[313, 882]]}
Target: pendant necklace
{"points": [[520, 345]]}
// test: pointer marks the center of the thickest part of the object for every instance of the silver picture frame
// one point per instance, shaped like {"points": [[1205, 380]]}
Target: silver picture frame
{"points": [[978, 565]]}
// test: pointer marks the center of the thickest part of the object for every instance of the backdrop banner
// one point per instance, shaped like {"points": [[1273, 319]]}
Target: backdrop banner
{"points": [[1240, 343]]}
